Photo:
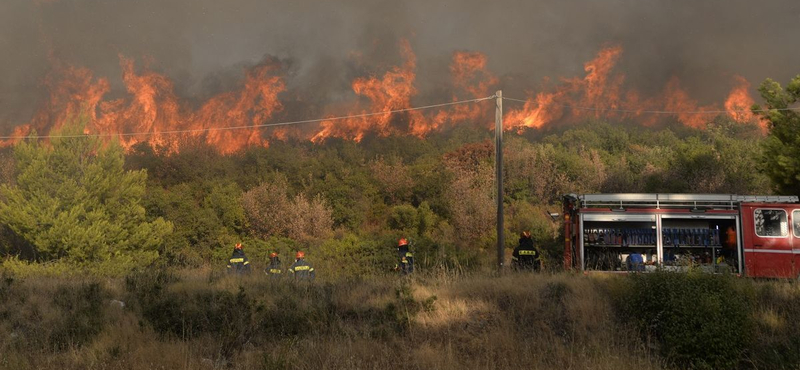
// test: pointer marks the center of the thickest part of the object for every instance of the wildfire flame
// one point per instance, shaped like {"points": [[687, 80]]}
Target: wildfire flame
{"points": [[392, 91], [152, 111], [600, 93], [739, 101]]}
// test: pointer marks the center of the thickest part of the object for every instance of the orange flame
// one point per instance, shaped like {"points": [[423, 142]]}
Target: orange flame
{"points": [[739, 102], [468, 70], [600, 93], [597, 90], [151, 107], [252, 105], [152, 111], [676, 99], [392, 91], [470, 76]]}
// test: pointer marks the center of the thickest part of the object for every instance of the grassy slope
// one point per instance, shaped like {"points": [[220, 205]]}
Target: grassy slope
{"points": [[201, 319], [515, 321]]}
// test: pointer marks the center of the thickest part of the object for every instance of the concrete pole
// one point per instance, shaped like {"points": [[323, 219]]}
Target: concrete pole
{"points": [[498, 155]]}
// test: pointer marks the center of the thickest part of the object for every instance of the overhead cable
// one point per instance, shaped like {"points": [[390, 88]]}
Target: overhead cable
{"points": [[658, 111], [288, 123]]}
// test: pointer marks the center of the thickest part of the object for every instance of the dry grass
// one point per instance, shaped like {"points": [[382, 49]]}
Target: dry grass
{"points": [[531, 321]]}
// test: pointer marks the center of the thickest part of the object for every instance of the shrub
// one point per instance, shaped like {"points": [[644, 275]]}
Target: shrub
{"points": [[226, 316], [271, 211], [777, 327], [352, 256], [699, 320], [404, 218], [82, 315]]}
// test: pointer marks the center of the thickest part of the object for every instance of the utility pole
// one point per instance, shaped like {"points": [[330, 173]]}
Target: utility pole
{"points": [[498, 165]]}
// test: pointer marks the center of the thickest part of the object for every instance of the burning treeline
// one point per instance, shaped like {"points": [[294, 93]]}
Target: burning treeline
{"points": [[150, 110]]}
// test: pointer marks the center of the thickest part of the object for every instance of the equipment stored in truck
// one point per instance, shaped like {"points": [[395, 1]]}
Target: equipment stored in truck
{"points": [[751, 235]]}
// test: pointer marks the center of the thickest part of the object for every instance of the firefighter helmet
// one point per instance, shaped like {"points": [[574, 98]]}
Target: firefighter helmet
{"points": [[402, 242], [526, 234], [299, 255], [273, 255], [238, 246]]}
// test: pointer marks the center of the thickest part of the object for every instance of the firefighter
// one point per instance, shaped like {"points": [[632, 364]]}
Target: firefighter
{"points": [[525, 255], [238, 263], [301, 270], [729, 240], [635, 262], [274, 268], [405, 257]]}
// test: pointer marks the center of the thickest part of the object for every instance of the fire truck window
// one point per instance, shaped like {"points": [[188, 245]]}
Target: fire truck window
{"points": [[771, 222], [796, 222]]}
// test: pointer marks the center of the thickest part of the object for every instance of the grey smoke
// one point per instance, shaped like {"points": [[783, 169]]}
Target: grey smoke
{"points": [[204, 45]]}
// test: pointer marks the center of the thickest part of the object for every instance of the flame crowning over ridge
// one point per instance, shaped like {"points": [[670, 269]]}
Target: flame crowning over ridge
{"points": [[150, 109]]}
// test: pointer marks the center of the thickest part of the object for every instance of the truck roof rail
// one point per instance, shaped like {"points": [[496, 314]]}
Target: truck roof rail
{"points": [[666, 200]]}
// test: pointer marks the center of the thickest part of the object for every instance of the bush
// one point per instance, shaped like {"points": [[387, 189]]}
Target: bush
{"points": [[777, 327], [352, 256], [82, 315], [226, 316], [699, 320], [271, 211], [404, 218]]}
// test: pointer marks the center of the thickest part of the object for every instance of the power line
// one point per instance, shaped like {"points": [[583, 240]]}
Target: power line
{"points": [[169, 132], [659, 111], [372, 114]]}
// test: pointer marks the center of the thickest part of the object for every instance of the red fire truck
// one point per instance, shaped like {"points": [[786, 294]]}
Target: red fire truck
{"points": [[752, 235]]}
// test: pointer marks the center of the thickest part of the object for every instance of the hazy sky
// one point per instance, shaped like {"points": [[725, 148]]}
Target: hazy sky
{"points": [[203, 45]]}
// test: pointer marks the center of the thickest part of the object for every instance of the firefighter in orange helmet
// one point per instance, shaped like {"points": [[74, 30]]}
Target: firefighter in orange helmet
{"points": [[300, 269], [238, 263], [274, 268], [405, 257]]}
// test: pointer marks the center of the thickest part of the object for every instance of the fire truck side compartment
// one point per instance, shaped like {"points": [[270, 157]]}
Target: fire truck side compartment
{"points": [[757, 235]]}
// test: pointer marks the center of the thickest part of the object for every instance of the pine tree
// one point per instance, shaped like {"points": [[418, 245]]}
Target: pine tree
{"points": [[73, 199], [782, 147]]}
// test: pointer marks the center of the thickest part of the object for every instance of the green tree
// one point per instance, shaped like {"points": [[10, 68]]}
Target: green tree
{"points": [[74, 200], [781, 158]]}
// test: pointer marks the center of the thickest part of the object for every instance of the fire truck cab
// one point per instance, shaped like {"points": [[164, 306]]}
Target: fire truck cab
{"points": [[752, 235]]}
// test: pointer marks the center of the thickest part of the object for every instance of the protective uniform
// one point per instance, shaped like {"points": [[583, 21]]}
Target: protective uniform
{"points": [[405, 257], [238, 263], [525, 256], [274, 268], [301, 270]]}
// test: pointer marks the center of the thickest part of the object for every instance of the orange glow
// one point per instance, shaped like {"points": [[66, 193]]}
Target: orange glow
{"points": [[471, 80], [150, 105], [739, 102], [600, 94], [468, 70], [598, 89], [676, 99], [252, 105], [392, 91]]}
